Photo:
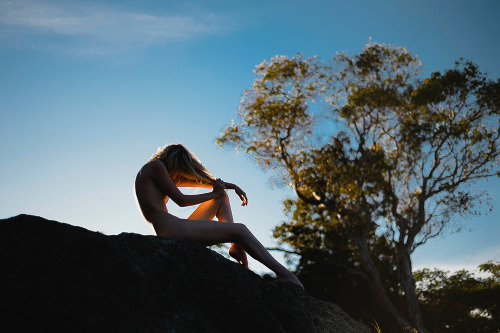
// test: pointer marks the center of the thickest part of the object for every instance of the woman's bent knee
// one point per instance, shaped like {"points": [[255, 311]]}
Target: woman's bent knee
{"points": [[241, 232], [224, 198]]}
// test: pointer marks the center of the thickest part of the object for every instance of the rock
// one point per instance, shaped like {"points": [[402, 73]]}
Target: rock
{"points": [[56, 277]]}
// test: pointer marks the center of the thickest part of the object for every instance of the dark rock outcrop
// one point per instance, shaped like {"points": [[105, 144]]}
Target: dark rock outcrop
{"points": [[55, 277]]}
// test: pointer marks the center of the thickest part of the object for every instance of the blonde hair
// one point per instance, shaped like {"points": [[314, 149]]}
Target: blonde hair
{"points": [[181, 163]]}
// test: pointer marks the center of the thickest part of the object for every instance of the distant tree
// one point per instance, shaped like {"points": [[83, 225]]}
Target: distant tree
{"points": [[460, 302], [370, 145]]}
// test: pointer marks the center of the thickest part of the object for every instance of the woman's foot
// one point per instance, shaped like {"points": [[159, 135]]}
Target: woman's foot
{"points": [[290, 278], [236, 251]]}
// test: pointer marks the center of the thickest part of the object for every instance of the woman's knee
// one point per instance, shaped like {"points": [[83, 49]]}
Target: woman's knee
{"points": [[223, 201], [224, 198], [241, 232]]}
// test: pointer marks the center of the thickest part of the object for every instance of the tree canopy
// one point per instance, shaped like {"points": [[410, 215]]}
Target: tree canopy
{"points": [[374, 150]]}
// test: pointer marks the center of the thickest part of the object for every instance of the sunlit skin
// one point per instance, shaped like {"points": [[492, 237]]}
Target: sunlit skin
{"points": [[154, 187]]}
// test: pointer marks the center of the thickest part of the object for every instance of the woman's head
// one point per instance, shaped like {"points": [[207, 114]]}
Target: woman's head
{"points": [[180, 162]]}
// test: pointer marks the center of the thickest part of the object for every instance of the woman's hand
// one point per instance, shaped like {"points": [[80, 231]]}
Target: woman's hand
{"points": [[242, 195], [239, 191], [219, 187]]}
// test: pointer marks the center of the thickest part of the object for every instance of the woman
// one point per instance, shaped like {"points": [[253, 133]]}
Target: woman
{"points": [[174, 166]]}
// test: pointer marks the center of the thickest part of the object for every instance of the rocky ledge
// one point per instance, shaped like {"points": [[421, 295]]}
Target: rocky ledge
{"points": [[56, 277]]}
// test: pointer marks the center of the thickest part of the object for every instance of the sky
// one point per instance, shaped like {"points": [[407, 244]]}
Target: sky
{"points": [[90, 89]]}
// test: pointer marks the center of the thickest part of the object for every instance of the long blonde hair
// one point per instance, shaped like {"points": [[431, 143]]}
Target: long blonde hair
{"points": [[181, 163]]}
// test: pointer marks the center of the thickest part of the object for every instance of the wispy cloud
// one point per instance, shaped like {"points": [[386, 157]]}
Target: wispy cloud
{"points": [[96, 29], [468, 262]]}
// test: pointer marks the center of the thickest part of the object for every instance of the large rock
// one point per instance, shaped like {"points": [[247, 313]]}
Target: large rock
{"points": [[60, 278]]}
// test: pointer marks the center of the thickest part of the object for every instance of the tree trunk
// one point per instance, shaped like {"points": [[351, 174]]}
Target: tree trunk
{"points": [[377, 286], [408, 283]]}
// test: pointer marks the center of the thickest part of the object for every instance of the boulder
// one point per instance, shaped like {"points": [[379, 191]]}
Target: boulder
{"points": [[56, 277]]}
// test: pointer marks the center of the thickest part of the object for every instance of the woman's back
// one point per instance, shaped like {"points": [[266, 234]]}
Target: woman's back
{"points": [[149, 197]]}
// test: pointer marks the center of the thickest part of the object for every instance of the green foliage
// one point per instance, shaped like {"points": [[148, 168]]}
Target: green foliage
{"points": [[274, 112], [380, 157], [460, 302]]}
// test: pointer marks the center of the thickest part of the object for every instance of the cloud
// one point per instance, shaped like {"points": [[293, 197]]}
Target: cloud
{"points": [[96, 29], [467, 262]]}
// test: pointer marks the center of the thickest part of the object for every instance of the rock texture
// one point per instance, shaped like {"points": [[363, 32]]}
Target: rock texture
{"points": [[60, 278]]}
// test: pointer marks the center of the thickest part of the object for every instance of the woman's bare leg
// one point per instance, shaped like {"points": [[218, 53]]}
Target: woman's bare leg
{"points": [[220, 208], [215, 232]]}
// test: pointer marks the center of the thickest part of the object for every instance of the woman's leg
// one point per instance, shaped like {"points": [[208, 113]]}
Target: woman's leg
{"points": [[220, 208], [215, 232]]}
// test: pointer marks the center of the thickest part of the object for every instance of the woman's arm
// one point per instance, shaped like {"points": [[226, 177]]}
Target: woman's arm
{"points": [[184, 182], [166, 185], [238, 191]]}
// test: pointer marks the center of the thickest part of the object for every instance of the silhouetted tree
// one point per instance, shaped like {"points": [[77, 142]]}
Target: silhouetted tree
{"points": [[371, 146], [330, 271], [460, 302]]}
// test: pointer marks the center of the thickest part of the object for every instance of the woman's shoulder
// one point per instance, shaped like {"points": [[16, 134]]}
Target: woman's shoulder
{"points": [[154, 164], [152, 167]]}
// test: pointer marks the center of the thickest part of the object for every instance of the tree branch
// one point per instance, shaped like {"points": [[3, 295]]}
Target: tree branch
{"points": [[282, 250]]}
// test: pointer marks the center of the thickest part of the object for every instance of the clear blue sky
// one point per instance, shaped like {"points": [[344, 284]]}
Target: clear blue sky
{"points": [[90, 89]]}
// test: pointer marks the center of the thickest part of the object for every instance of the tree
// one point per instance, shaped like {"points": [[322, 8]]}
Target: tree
{"points": [[460, 302], [370, 145], [329, 270]]}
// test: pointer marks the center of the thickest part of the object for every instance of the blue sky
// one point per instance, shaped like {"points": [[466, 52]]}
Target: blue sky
{"points": [[90, 89]]}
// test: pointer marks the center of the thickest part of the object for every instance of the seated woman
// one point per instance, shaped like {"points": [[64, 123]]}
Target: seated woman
{"points": [[174, 166]]}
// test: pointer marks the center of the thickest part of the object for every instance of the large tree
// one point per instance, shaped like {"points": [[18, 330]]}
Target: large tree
{"points": [[372, 146]]}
